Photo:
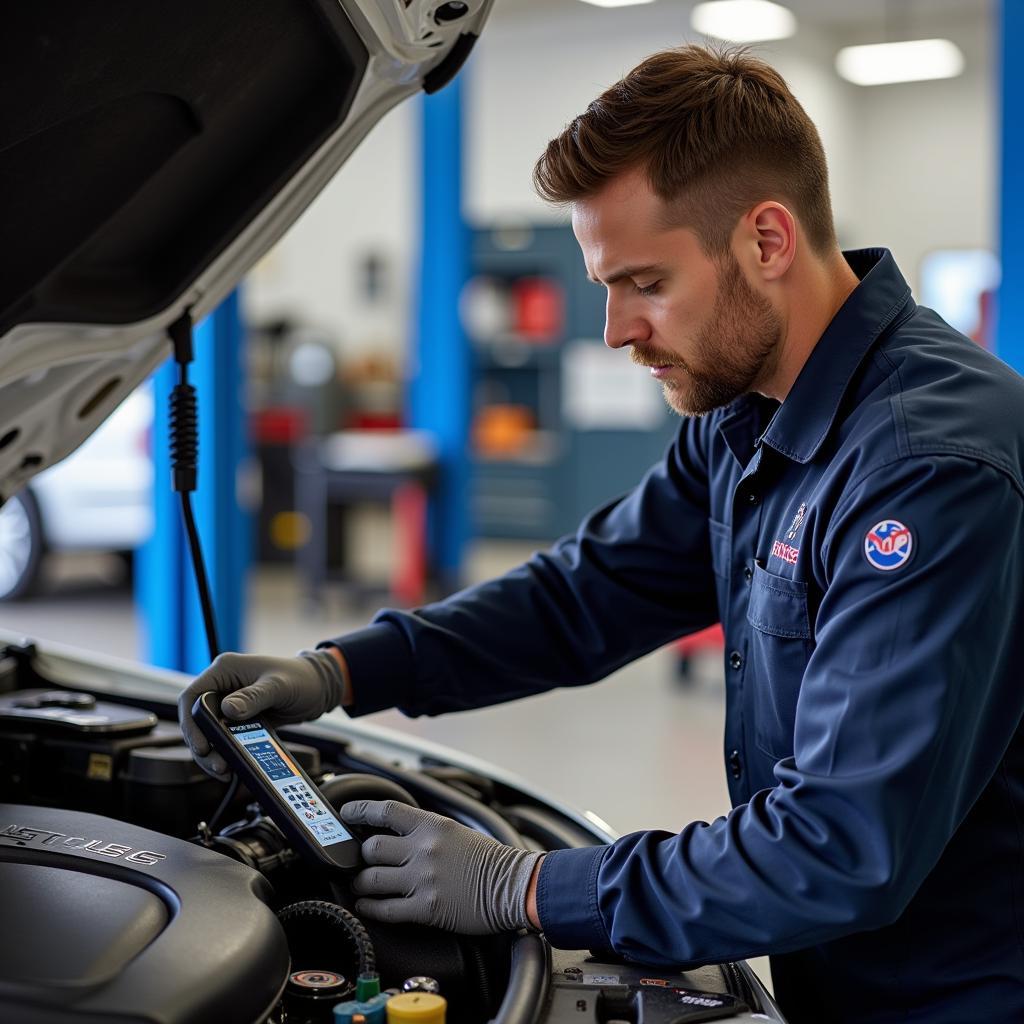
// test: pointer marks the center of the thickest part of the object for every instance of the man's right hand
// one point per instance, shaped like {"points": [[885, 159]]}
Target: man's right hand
{"points": [[286, 690]]}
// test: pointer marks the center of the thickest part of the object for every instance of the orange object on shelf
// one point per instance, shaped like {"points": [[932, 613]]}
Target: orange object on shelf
{"points": [[502, 429]]}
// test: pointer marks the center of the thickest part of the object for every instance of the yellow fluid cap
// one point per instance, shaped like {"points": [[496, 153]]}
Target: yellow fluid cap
{"points": [[416, 1008]]}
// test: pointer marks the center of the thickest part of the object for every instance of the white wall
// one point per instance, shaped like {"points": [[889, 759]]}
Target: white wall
{"points": [[926, 154], [372, 205], [912, 166], [529, 77]]}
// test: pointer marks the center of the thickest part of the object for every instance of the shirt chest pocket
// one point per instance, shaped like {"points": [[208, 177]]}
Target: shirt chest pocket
{"points": [[780, 646]]}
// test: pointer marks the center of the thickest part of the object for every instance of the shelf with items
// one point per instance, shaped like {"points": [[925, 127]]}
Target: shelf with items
{"points": [[514, 313], [543, 458], [515, 318]]}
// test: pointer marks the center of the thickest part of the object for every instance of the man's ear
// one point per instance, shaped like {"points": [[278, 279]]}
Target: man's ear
{"points": [[767, 239]]}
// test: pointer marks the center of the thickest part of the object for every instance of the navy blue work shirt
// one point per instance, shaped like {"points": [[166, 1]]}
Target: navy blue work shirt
{"points": [[862, 545]]}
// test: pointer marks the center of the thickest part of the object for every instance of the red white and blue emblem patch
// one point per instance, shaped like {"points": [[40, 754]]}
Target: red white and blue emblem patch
{"points": [[888, 545]]}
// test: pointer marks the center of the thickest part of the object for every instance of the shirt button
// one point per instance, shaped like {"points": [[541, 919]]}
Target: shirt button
{"points": [[752, 498], [736, 660], [735, 764], [748, 573]]}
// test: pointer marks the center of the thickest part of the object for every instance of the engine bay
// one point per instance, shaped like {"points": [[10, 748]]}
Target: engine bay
{"points": [[123, 903]]}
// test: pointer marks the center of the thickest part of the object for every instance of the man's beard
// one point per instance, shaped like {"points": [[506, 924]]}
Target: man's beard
{"points": [[736, 349]]}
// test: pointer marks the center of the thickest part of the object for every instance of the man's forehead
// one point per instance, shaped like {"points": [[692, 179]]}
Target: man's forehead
{"points": [[617, 242], [625, 203]]}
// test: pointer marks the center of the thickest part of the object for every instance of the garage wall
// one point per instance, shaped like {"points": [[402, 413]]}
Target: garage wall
{"points": [[926, 154], [529, 79], [371, 207], [912, 166]]}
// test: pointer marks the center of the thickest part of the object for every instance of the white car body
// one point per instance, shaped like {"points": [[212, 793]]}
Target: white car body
{"points": [[101, 496]]}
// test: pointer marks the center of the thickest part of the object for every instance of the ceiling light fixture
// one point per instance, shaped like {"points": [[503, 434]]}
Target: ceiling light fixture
{"points": [[743, 21], [617, 3], [916, 60]]}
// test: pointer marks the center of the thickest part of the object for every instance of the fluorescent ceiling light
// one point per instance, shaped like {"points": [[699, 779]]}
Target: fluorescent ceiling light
{"points": [[743, 21], [917, 60], [617, 3]]}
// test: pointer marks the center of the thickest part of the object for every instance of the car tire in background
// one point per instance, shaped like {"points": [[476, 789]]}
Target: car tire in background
{"points": [[21, 545]]}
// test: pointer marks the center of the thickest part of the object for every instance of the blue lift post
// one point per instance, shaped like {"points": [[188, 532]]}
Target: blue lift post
{"points": [[439, 392], [1010, 304], [173, 635]]}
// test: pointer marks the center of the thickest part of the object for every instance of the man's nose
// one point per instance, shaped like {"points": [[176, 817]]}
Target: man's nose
{"points": [[622, 326]]}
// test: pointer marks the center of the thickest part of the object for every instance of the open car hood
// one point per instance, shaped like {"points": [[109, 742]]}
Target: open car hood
{"points": [[150, 154]]}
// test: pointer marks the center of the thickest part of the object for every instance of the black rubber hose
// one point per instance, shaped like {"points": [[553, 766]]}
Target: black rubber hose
{"points": [[363, 786], [469, 783], [476, 964], [451, 801], [547, 828], [527, 983]]}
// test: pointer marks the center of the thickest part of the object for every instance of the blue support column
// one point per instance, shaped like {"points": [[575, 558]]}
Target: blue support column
{"points": [[165, 586], [1010, 305], [440, 388]]}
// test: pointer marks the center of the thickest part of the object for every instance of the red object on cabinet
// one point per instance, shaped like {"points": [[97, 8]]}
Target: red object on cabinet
{"points": [[538, 308]]}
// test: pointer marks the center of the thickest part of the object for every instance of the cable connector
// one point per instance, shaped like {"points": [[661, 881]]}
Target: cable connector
{"points": [[180, 333]]}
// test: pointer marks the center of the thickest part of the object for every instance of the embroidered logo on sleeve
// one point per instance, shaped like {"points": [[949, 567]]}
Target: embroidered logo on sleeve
{"points": [[888, 545]]}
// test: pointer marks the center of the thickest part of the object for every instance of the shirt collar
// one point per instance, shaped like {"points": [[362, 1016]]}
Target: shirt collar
{"points": [[805, 418]]}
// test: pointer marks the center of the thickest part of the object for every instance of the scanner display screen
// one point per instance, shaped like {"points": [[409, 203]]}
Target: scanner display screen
{"points": [[277, 766]]}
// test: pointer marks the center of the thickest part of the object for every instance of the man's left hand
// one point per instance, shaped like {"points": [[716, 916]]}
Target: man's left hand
{"points": [[438, 872]]}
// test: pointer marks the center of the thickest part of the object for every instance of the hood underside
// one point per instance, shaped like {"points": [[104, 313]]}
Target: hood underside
{"points": [[150, 154]]}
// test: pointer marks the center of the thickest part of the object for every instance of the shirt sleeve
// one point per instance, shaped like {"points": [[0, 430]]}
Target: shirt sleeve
{"points": [[907, 704], [635, 575]]}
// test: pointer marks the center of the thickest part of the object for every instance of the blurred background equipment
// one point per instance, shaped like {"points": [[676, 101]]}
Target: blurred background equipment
{"points": [[398, 468], [549, 442]]}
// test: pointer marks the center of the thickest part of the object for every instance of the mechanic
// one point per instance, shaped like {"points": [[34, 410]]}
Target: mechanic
{"points": [[845, 494]]}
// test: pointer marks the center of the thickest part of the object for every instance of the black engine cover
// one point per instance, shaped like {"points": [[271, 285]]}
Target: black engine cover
{"points": [[104, 921]]}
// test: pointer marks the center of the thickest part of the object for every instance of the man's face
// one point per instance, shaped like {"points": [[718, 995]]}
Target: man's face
{"points": [[706, 334]]}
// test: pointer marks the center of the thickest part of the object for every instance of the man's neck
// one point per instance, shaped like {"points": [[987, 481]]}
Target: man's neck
{"points": [[818, 296]]}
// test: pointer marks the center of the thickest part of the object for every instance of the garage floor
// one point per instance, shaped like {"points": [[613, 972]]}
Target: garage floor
{"points": [[639, 749]]}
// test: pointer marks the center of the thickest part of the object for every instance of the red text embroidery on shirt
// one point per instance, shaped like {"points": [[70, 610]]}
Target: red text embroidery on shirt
{"points": [[785, 551]]}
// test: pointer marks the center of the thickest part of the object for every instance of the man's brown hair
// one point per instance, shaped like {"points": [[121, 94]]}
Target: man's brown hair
{"points": [[716, 131]]}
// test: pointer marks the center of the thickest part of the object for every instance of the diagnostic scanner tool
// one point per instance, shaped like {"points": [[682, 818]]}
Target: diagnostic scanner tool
{"points": [[255, 753]]}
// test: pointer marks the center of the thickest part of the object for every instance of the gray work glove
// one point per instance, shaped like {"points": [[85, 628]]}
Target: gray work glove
{"points": [[438, 872], [286, 689]]}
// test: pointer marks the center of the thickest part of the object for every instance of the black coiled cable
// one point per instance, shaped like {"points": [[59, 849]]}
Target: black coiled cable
{"points": [[184, 465], [184, 473]]}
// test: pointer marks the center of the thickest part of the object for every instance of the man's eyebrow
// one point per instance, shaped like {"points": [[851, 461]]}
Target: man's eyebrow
{"points": [[637, 271]]}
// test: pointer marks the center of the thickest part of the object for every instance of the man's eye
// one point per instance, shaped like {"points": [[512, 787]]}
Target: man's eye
{"points": [[649, 289]]}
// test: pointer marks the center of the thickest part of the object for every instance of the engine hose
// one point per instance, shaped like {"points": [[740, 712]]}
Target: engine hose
{"points": [[340, 789], [527, 983], [298, 917], [454, 803], [549, 829], [476, 963]]}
